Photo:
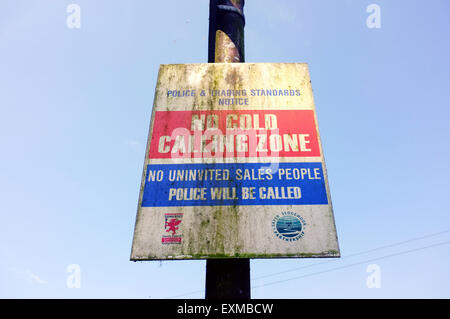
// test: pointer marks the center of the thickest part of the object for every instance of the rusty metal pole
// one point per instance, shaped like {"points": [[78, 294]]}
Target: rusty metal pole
{"points": [[227, 278], [226, 31]]}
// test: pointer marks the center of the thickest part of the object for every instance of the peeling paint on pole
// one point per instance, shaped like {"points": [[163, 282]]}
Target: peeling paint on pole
{"points": [[234, 166]]}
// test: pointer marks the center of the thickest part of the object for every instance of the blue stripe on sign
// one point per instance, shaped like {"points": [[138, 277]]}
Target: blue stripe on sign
{"points": [[234, 184]]}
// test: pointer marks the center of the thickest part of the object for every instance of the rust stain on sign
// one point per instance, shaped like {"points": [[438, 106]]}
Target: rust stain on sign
{"points": [[234, 166]]}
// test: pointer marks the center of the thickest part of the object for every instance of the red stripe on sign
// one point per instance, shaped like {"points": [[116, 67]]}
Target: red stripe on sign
{"points": [[218, 134]]}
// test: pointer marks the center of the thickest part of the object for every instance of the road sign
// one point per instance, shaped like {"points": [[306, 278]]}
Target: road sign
{"points": [[234, 166]]}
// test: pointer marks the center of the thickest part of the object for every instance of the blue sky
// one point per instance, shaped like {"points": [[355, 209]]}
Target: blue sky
{"points": [[75, 110]]}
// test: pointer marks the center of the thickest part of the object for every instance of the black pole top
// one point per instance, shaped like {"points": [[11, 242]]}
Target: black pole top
{"points": [[228, 17]]}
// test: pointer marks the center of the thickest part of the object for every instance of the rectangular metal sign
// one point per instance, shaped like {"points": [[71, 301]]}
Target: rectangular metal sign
{"points": [[234, 166]]}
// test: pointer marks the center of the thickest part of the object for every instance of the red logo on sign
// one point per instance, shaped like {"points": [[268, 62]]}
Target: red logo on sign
{"points": [[171, 226]]}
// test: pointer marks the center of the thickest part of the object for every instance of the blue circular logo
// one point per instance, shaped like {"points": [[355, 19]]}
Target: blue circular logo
{"points": [[289, 226]]}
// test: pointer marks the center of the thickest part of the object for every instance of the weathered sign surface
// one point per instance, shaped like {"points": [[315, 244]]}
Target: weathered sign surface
{"points": [[234, 166]]}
